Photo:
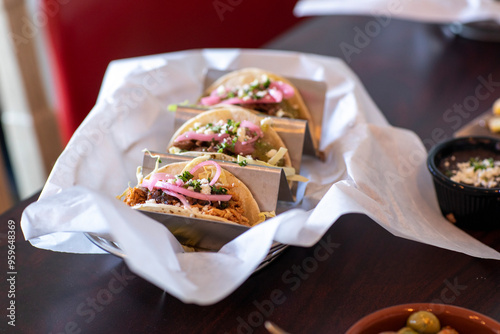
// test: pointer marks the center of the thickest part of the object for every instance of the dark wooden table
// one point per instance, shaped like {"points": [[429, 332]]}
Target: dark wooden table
{"points": [[419, 75]]}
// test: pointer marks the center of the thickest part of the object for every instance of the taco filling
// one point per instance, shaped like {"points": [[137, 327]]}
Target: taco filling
{"points": [[227, 137], [264, 95], [205, 194]]}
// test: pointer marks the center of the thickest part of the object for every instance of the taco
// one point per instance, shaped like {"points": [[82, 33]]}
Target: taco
{"points": [[231, 133], [259, 90], [199, 188]]}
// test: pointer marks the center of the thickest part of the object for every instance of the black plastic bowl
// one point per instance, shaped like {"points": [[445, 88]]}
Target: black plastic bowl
{"points": [[464, 205]]}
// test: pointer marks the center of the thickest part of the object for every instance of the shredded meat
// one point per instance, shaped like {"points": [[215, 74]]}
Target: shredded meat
{"points": [[231, 210], [135, 196], [267, 108], [187, 145], [197, 145], [161, 198], [273, 109]]}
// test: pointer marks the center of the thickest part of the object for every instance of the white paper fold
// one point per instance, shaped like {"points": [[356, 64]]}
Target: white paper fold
{"points": [[371, 168], [433, 11]]}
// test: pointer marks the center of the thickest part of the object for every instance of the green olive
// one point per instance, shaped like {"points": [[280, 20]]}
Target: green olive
{"points": [[447, 330], [406, 330], [424, 322]]}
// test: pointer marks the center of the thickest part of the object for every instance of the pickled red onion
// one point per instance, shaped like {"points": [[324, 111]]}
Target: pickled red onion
{"points": [[210, 100], [275, 94], [208, 162], [155, 178], [255, 128], [242, 148], [168, 186], [284, 88], [181, 198], [266, 99]]}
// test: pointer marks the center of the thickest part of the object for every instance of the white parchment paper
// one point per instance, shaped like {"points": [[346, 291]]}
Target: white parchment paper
{"points": [[371, 167], [435, 11]]}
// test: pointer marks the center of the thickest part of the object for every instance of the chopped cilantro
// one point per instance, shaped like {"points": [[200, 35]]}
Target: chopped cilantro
{"points": [[232, 123], [196, 184], [218, 190], [243, 163], [267, 83], [222, 147], [254, 85], [228, 144], [481, 164], [185, 176]]}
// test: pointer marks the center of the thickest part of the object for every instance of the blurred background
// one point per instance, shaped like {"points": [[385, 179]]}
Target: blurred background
{"points": [[54, 54]]}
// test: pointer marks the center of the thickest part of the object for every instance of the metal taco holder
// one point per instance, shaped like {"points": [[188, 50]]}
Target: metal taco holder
{"points": [[205, 235], [267, 184], [106, 244], [294, 133], [314, 95], [196, 234]]}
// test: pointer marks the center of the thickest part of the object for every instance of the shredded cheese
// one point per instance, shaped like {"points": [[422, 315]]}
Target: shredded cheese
{"points": [[289, 171], [138, 175], [194, 162], [174, 150], [157, 163], [276, 158], [264, 215]]}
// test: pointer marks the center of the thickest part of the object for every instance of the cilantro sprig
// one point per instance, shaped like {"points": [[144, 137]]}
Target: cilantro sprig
{"points": [[196, 184], [481, 164], [186, 176], [218, 190]]}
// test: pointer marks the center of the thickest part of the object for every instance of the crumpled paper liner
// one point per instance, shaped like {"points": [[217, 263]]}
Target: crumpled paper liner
{"points": [[433, 11], [370, 168]]}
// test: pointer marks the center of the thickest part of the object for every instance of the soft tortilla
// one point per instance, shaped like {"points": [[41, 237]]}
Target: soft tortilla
{"points": [[237, 114], [248, 75], [250, 207]]}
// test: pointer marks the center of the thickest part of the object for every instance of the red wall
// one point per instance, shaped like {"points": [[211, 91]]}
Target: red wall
{"points": [[85, 35]]}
